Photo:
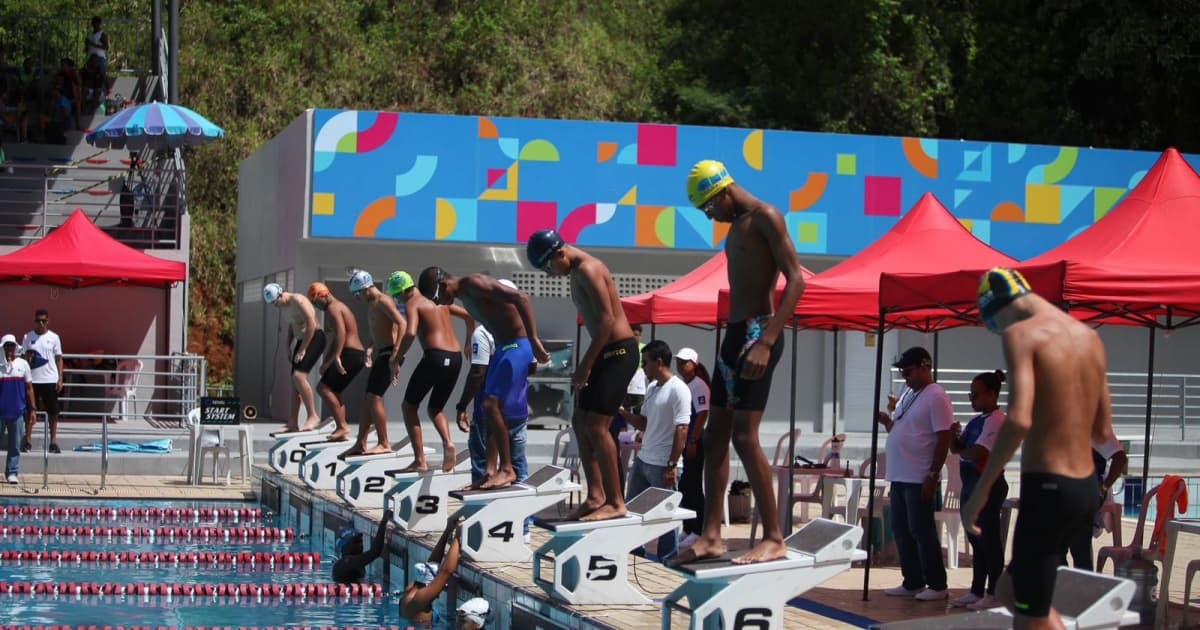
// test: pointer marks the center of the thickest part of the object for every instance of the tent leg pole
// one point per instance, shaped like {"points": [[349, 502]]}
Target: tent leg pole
{"points": [[786, 510], [936, 362], [1149, 411], [835, 381], [874, 459]]}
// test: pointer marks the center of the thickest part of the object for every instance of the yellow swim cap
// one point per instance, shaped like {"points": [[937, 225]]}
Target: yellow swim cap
{"points": [[998, 288], [705, 180]]}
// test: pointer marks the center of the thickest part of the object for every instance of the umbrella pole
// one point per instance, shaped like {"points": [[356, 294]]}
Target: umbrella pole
{"points": [[1149, 411], [835, 381], [874, 459], [787, 510], [653, 331]]}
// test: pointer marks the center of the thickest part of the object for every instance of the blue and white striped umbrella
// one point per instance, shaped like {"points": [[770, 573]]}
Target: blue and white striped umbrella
{"points": [[155, 125]]}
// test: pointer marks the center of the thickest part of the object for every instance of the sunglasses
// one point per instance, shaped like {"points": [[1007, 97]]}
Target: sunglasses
{"points": [[41, 320], [709, 206]]}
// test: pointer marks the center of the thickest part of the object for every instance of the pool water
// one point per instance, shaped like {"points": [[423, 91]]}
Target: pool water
{"points": [[178, 610]]}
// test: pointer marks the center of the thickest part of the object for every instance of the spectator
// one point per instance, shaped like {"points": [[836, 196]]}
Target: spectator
{"points": [[473, 614], [691, 482], [973, 444], [351, 566], [1111, 455], [667, 409], [16, 400], [56, 116], [94, 84], [919, 436], [430, 578], [96, 43], [43, 351], [72, 88]]}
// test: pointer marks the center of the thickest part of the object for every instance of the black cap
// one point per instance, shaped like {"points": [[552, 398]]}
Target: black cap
{"points": [[915, 355]]}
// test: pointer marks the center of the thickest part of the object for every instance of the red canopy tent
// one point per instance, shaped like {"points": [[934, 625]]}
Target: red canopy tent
{"points": [[79, 254]]}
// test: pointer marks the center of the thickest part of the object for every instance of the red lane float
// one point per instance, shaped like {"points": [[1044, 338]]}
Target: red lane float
{"points": [[176, 514], [160, 533], [231, 591], [258, 559]]}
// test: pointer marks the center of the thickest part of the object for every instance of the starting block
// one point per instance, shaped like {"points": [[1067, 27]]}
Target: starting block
{"points": [[365, 479], [491, 531], [1085, 600], [322, 463], [591, 557], [286, 454], [420, 501], [722, 594]]}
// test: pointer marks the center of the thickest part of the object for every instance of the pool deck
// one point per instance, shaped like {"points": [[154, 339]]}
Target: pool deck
{"points": [[840, 599]]}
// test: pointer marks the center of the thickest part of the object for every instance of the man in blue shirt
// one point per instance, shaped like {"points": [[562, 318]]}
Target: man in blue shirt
{"points": [[16, 400]]}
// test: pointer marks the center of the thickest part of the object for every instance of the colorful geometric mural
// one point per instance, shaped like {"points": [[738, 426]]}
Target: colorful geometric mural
{"points": [[430, 177]]}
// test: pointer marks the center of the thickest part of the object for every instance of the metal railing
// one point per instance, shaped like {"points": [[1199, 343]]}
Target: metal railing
{"points": [[47, 39], [138, 201], [161, 389]]}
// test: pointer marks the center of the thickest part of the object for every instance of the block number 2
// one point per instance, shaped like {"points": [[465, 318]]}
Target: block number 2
{"points": [[503, 531], [373, 484], [748, 618]]}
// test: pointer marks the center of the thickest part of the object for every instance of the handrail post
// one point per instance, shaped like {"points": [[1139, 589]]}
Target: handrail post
{"points": [[103, 451]]}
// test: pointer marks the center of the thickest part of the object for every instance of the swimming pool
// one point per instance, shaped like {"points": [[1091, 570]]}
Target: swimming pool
{"points": [[180, 564]]}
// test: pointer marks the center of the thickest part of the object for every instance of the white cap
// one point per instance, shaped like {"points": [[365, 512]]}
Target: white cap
{"points": [[424, 572], [510, 284], [476, 610], [271, 293], [687, 354]]}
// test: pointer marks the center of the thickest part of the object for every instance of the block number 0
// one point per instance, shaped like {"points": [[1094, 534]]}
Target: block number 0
{"points": [[747, 618], [427, 504], [296, 456]]}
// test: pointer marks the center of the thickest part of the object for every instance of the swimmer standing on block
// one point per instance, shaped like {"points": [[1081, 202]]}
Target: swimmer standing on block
{"points": [[306, 341], [603, 373], [758, 249], [345, 357], [508, 314], [1059, 403], [387, 325], [438, 369]]}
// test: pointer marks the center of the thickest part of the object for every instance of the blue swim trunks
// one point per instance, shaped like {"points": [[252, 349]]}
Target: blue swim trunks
{"points": [[731, 390], [507, 377]]}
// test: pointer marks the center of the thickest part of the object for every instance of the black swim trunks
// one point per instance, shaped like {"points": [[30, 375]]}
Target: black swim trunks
{"points": [[732, 391], [437, 371], [1054, 511], [352, 362], [380, 377], [609, 378], [312, 353]]}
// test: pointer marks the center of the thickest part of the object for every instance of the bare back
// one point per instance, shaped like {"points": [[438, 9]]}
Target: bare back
{"points": [[298, 312], [385, 332], [752, 265], [594, 293], [480, 296], [434, 327], [338, 310], [1064, 363]]}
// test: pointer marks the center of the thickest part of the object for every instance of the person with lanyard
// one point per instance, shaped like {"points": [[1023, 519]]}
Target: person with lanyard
{"points": [[919, 437], [1111, 455], [973, 444]]}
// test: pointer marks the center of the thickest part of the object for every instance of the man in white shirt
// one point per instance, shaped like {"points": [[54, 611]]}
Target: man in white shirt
{"points": [[919, 436], [16, 400], [668, 412], [43, 351]]}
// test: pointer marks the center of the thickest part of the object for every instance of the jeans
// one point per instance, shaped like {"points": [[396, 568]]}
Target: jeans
{"points": [[916, 538], [11, 430], [987, 549], [518, 435], [641, 477]]}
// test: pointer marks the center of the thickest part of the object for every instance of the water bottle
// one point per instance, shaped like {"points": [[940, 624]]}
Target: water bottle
{"points": [[835, 454]]}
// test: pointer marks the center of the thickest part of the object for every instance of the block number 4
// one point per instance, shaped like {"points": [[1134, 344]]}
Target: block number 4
{"points": [[503, 531]]}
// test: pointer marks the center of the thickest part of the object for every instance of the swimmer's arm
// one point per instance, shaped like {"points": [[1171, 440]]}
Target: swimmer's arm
{"points": [[393, 314], [410, 333], [1118, 467], [339, 328], [475, 379], [428, 593], [605, 319], [773, 229], [439, 549], [524, 309], [462, 314], [376, 549]]}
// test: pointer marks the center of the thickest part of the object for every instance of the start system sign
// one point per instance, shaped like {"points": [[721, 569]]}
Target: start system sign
{"points": [[220, 410]]}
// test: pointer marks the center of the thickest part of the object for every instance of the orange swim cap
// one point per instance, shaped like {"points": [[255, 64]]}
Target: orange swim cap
{"points": [[317, 290]]}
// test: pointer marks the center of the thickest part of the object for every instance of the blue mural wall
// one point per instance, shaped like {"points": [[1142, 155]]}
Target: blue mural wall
{"points": [[427, 177]]}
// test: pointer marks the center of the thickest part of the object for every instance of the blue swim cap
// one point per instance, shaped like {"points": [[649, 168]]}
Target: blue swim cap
{"points": [[346, 535]]}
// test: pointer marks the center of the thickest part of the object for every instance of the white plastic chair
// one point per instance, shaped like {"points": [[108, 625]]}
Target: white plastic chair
{"points": [[205, 441], [124, 386], [1118, 553], [566, 454], [778, 459], [950, 516]]}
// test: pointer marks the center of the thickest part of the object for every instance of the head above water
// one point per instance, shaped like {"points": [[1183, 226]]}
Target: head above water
{"points": [[475, 611], [424, 572], [349, 541], [998, 288]]}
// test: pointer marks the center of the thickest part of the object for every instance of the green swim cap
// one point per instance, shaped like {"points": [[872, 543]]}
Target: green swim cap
{"points": [[398, 283]]}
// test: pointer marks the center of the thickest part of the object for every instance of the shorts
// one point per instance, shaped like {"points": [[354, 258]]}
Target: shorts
{"points": [[508, 376], [312, 353], [605, 389], [729, 389], [46, 395], [380, 377], [352, 361], [1054, 511], [437, 371]]}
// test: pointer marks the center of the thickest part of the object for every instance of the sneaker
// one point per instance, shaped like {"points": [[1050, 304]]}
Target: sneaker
{"points": [[900, 591], [930, 595], [985, 603], [965, 600], [54, 448], [26, 447], [13, 479]]}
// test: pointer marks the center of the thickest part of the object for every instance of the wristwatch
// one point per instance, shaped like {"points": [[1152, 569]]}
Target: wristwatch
{"points": [[673, 464], [935, 474]]}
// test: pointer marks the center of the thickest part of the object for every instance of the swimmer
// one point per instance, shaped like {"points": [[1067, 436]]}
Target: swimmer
{"points": [[430, 578], [306, 341], [387, 325], [473, 614], [1058, 406], [344, 359], [351, 566]]}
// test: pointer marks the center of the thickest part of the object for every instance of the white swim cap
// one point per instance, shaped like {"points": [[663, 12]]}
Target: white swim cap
{"points": [[476, 610], [361, 280], [424, 572], [271, 293]]}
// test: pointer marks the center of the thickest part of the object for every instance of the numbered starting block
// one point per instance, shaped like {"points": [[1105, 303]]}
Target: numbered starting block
{"points": [[420, 501], [286, 454], [1086, 601], [722, 594], [591, 557], [366, 479], [322, 465], [492, 529]]}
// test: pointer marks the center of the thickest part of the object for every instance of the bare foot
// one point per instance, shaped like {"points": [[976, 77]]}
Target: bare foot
{"points": [[702, 549], [498, 480], [291, 427], [604, 513], [379, 449], [448, 458], [418, 466], [353, 451], [341, 435], [582, 510], [764, 551], [311, 425]]}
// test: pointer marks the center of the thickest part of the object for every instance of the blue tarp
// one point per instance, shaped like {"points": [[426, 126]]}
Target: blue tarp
{"points": [[117, 446]]}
